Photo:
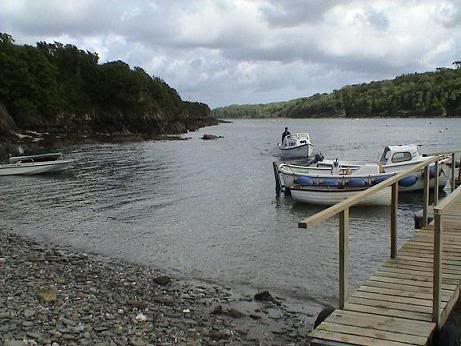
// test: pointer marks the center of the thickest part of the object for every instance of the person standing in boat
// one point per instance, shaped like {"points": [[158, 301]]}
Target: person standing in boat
{"points": [[285, 133]]}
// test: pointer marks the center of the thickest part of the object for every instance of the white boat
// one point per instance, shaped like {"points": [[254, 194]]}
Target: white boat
{"points": [[35, 164], [290, 172], [395, 158], [330, 195], [296, 145], [328, 188]]}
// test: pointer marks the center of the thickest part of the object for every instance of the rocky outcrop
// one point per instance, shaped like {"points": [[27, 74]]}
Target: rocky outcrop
{"points": [[7, 124], [208, 136]]}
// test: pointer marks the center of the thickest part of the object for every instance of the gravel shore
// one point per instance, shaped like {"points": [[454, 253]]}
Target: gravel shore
{"points": [[50, 295]]}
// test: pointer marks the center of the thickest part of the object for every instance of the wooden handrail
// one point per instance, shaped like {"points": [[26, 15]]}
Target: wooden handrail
{"points": [[443, 153], [339, 207], [447, 201]]}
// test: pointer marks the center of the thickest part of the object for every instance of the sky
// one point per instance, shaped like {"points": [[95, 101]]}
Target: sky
{"points": [[224, 52]]}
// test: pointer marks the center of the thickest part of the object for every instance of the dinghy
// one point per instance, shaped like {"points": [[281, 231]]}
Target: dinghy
{"points": [[35, 164]]}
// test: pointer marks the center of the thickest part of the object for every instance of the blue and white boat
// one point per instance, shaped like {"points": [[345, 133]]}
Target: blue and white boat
{"points": [[333, 186], [395, 159]]}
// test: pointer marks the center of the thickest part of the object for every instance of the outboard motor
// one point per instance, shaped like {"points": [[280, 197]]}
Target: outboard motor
{"points": [[317, 158]]}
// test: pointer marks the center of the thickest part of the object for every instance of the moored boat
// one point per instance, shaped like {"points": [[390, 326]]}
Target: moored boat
{"points": [[395, 159], [35, 164], [328, 188], [329, 195], [296, 145]]}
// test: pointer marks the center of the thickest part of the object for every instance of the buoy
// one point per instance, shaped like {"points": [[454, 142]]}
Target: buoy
{"points": [[356, 182], [303, 180], [408, 181], [329, 182], [379, 180]]}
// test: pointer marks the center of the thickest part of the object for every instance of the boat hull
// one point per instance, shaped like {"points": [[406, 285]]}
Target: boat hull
{"points": [[31, 168], [300, 151], [325, 196]]}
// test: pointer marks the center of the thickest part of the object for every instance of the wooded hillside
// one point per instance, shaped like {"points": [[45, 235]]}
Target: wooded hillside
{"points": [[63, 87], [430, 94]]}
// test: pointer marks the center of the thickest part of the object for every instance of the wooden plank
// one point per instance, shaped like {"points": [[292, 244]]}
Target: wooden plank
{"points": [[412, 270], [425, 195], [392, 298], [401, 287], [429, 250], [423, 254], [343, 256], [423, 265], [352, 339], [390, 324], [449, 307], [428, 260], [437, 259], [421, 243], [390, 305], [373, 333], [418, 283], [394, 212], [401, 293], [426, 277], [419, 316]]}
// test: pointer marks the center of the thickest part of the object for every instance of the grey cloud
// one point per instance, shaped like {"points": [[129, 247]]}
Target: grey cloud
{"points": [[281, 50], [294, 12]]}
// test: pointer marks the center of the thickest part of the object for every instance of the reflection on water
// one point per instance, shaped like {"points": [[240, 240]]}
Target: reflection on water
{"points": [[207, 209]]}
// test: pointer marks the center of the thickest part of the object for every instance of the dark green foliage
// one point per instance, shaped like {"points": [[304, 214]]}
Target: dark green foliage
{"points": [[61, 86], [433, 94]]}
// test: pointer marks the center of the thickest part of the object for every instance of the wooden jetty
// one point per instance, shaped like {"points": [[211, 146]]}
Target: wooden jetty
{"points": [[407, 300]]}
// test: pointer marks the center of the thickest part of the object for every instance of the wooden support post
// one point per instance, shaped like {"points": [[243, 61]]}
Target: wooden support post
{"points": [[437, 271], [453, 177], [394, 210], [343, 256], [425, 196], [277, 179], [436, 182]]}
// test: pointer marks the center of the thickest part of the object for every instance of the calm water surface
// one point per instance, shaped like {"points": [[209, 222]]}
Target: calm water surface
{"points": [[207, 209]]}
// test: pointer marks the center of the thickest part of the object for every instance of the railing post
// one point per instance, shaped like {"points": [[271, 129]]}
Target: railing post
{"points": [[394, 209], [425, 196], [436, 182], [453, 177], [437, 271], [343, 256]]}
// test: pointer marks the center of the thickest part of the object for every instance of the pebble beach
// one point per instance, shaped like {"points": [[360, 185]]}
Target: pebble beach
{"points": [[52, 295]]}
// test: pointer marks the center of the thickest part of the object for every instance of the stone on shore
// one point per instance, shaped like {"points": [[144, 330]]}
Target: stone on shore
{"points": [[52, 296]]}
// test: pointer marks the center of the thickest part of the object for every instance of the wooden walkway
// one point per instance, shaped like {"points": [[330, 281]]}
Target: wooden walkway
{"points": [[408, 299], [394, 307]]}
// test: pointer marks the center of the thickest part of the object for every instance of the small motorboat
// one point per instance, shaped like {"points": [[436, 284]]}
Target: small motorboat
{"points": [[395, 159], [328, 188], [290, 172], [296, 145], [35, 164]]}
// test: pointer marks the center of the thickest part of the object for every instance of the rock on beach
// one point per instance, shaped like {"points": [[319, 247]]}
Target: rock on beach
{"points": [[52, 296]]}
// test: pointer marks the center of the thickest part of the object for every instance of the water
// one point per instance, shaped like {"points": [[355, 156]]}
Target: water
{"points": [[207, 209]]}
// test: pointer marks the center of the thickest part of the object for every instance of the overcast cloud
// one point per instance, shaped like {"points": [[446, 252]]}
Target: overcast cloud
{"points": [[250, 51]]}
